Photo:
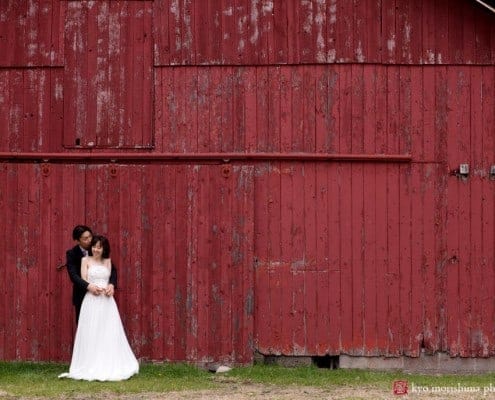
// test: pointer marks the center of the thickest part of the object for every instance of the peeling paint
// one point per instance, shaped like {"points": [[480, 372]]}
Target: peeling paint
{"points": [[254, 21], [391, 44]]}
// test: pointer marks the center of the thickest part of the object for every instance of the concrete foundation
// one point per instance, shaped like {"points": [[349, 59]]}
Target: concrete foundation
{"points": [[439, 363]]}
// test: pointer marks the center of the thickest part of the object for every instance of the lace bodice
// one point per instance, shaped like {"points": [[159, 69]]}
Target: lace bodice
{"points": [[98, 274]]}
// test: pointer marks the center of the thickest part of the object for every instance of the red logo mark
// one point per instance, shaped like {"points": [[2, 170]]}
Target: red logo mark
{"points": [[400, 387]]}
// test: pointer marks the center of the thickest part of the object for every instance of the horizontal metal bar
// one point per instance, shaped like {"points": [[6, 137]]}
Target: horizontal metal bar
{"points": [[131, 157]]}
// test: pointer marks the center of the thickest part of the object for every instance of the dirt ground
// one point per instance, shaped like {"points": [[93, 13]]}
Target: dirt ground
{"points": [[245, 391]]}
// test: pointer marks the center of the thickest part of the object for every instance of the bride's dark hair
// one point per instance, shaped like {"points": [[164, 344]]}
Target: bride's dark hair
{"points": [[105, 244]]}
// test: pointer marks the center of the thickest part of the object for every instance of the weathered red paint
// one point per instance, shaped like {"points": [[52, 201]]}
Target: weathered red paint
{"points": [[274, 176]]}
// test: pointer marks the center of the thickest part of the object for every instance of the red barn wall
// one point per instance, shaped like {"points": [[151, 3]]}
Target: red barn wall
{"points": [[273, 175]]}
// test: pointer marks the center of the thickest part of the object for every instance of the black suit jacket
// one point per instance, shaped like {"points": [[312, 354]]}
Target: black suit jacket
{"points": [[80, 286]]}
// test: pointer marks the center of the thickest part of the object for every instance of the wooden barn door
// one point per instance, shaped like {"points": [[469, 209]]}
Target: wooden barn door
{"points": [[468, 267], [345, 258]]}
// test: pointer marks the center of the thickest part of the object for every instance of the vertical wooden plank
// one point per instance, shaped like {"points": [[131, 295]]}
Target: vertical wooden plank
{"points": [[428, 209], [239, 104], [417, 208], [307, 31], [286, 110], [5, 104], [405, 193], [371, 31], [321, 283], [380, 200], [262, 220], [393, 213], [322, 111], [160, 118], [335, 300], [309, 108], [59, 286], [293, 45], [46, 254], [346, 229], [203, 256], [157, 220], [284, 273], [191, 109], [483, 31], [405, 258], [332, 31], [277, 239], [23, 261], [297, 109], [394, 269], [20, 38], [454, 36], [278, 48], [442, 207], [135, 74], [346, 259], [162, 46], [226, 185], [11, 309], [487, 212], [54, 122], [273, 113], [214, 266], [75, 77], [468, 19], [389, 33], [216, 104], [462, 114], [356, 209], [453, 270], [146, 295], [310, 255], [227, 110], [428, 24], [407, 27], [181, 255], [296, 240], [442, 36], [147, 139], [171, 231], [478, 344], [30, 112], [5, 213], [134, 250], [16, 125], [193, 243], [242, 278], [370, 276], [203, 109], [100, 112], [263, 101], [175, 31], [251, 110], [344, 29]]}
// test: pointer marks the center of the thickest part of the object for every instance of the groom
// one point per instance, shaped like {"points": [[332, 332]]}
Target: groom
{"points": [[82, 236]]}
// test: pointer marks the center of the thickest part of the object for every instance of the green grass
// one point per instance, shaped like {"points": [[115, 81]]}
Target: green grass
{"points": [[40, 379]]}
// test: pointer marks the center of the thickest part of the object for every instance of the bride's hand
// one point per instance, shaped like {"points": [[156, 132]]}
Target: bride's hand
{"points": [[93, 289], [109, 290]]}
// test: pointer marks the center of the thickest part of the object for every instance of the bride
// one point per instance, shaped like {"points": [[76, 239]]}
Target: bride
{"points": [[101, 350]]}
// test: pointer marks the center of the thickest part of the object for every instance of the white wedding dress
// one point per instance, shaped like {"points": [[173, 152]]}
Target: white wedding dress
{"points": [[101, 350]]}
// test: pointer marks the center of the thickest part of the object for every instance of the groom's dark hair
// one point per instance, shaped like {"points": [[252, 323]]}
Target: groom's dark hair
{"points": [[79, 230]]}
